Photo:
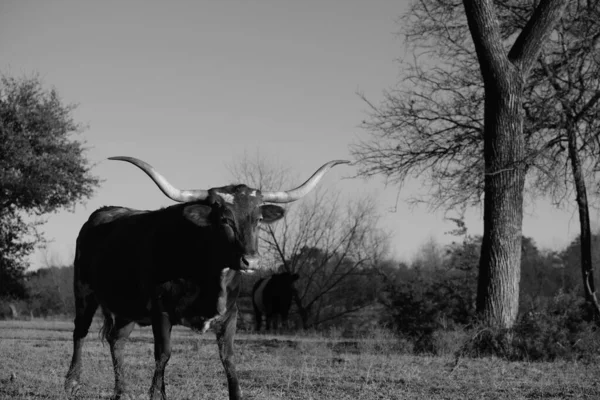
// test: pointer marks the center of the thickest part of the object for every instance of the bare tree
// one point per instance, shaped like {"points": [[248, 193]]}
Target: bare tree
{"points": [[333, 245], [571, 67], [504, 75], [435, 130]]}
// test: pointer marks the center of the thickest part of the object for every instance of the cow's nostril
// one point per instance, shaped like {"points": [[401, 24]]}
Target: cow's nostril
{"points": [[249, 262]]}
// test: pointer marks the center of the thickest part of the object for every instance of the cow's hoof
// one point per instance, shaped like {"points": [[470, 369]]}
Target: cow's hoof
{"points": [[158, 395]]}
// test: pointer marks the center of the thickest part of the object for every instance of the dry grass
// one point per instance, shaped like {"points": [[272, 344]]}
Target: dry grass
{"points": [[37, 354]]}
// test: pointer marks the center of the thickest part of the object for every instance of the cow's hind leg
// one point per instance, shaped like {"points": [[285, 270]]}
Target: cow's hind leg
{"points": [[161, 329], [117, 337], [85, 308], [225, 335]]}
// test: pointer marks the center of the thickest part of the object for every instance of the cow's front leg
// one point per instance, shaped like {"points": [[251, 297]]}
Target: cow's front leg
{"points": [[117, 338], [161, 328], [85, 308], [225, 335]]}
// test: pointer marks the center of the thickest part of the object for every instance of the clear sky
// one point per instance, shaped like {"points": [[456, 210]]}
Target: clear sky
{"points": [[190, 86]]}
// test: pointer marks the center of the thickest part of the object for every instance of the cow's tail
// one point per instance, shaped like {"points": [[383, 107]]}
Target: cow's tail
{"points": [[107, 326]]}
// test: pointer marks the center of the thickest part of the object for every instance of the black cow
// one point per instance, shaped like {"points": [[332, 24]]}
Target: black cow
{"points": [[272, 297], [178, 265]]}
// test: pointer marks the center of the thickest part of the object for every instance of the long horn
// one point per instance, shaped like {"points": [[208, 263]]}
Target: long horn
{"points": [[302, 190], [172, 192]]}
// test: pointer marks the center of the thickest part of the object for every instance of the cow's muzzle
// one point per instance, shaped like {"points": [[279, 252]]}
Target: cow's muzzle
{"points": [[249, 262]]}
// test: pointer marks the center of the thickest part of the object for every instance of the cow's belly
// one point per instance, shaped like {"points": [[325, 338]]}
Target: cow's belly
{"points": [[186, 303], [127, 303]]}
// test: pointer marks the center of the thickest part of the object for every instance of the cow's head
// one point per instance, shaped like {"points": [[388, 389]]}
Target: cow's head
{"points": [[234, 211]]}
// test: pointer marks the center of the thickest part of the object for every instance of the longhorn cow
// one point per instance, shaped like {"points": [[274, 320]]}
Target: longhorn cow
{"points": [[272, 297], [180, 265]]}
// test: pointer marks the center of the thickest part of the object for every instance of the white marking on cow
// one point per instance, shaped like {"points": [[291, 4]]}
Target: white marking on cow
{"points": [[253, 193], [258, 295], [208, 323], [193, 323], [227, 197]]}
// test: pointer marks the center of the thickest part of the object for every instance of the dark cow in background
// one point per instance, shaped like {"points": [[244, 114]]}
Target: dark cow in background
{"points": [[178, 265], [272, 297]]}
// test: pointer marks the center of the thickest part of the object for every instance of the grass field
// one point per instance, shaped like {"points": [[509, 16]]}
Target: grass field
{"points": [[34, 357]]}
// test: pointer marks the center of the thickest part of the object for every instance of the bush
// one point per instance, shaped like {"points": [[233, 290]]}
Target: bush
{"points": [[556, 330], [429, 306], [559, 330], [433, 305]]}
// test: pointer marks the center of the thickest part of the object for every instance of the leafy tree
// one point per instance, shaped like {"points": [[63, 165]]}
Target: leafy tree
{"points": [[435, 128], [42, 169]]}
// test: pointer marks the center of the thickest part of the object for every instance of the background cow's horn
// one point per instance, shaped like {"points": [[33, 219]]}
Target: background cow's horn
{"points": [[172, 192], [302, 190]]}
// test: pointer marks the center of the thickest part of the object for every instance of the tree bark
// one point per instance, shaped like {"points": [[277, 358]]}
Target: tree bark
{"points": [[504, 150]]}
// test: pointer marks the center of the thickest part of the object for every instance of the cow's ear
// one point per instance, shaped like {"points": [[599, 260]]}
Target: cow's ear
{"points": [[271, 213], [198, 214]]}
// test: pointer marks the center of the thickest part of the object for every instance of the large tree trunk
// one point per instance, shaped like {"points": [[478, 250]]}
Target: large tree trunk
{"points": [[587, 269], [504, 148]]}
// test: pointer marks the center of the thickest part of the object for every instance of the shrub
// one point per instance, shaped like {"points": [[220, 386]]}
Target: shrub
{"points": [[555, 330], [559, 330]]}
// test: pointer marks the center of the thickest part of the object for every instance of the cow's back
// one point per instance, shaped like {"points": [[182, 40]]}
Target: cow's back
{"points": [[99, 231]]}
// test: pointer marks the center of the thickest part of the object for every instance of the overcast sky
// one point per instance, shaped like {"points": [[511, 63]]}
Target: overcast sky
{"points": [[191, 86]]}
